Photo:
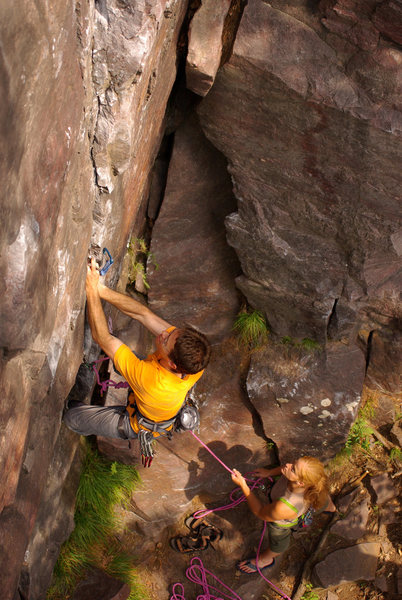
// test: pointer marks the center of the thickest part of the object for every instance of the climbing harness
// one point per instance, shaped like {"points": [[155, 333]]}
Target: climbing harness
{"points": [[106, 264], [186, 419]]}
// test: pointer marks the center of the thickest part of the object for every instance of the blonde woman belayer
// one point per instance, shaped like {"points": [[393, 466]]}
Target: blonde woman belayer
{"points": [[301, 485]]}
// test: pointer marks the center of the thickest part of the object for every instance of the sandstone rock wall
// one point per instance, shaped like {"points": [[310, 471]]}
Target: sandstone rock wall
{"points": [[310, 122], [84, 93]]}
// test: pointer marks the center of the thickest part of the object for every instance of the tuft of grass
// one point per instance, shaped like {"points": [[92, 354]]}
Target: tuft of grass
{"points": [[251, 328], [103, 485], [139, 255], [310, 344], [306, 343]]}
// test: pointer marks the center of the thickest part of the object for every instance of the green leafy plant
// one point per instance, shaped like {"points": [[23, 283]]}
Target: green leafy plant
{"points": [[139, 254], [309, 594], [103, 485], [359, 435], [251, 328], [395, 455]]}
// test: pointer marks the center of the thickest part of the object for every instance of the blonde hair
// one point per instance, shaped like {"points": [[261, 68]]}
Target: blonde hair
{"points": [[310, 472]]}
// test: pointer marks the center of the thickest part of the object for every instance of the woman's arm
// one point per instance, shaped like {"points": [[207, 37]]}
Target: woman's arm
{"points": [[275, 511]]}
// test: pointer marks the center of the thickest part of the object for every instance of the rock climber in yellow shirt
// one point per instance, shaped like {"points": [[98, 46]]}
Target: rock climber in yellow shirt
{"points": [[159, 383]]}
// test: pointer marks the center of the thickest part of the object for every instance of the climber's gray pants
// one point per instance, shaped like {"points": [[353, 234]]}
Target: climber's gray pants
{"points": [[108, 421]]}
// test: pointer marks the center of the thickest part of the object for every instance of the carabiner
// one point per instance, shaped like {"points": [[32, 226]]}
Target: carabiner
{"points": [[108, 263]]}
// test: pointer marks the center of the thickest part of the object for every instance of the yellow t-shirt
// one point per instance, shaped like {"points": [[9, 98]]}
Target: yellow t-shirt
{"points": [[159, 394]]}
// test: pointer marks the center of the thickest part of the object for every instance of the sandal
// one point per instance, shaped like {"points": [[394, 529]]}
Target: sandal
{"points": [[204, 528], [185, 544], [252, 566]]}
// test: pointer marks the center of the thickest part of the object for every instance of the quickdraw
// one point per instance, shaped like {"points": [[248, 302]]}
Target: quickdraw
{"points": [[147, 451]]}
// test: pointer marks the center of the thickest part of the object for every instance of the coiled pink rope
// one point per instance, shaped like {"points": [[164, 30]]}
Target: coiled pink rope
{"points": [[197, 573]]}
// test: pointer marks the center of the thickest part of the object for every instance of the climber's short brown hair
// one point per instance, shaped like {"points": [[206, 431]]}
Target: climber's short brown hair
{"points": [[191, 352]]}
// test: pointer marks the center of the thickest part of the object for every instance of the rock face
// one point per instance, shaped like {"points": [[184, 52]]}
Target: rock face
{"points": [[305, 122], [306, 400], [310, 122], [205, 45], [195, 264], [84, 89]]}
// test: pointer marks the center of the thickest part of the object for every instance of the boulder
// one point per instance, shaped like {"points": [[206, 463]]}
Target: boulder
{"points": [[388, 19], [383, 487], [205, 45], [385, 365], [353, 526], [307, 400], [101, 586], [348, 565], [84, 92]]}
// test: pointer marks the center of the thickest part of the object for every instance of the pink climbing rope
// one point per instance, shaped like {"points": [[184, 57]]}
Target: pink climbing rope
{"points": [[197, 573], [210, 451], [200, 514], [108, 382], [259, 570]]}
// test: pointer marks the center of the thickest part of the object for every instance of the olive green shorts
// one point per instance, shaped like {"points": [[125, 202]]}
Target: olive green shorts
{"points": [[279, 538]]}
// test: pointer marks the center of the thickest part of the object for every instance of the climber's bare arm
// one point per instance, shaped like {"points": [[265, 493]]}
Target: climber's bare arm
{"points": [[134, 309], [96, 317]]}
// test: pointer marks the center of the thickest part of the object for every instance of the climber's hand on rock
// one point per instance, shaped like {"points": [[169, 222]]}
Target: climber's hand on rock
{"points": [[92, 280]]}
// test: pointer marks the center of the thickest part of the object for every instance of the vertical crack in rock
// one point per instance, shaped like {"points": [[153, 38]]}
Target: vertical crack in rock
{"points": [[230, 27], [159, 178], [369, 348], [332, 325]]}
